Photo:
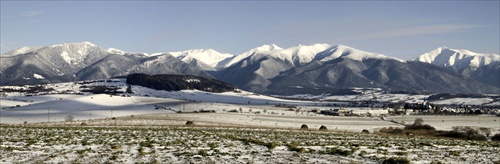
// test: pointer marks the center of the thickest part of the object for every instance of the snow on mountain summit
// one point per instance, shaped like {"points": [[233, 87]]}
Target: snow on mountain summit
{"points": [[303, 54], [115, 51], [209, 57], [268, 47], [235, 59], [299, 54], [342, 51], [457, 59], [72, 53], [22, 50]]}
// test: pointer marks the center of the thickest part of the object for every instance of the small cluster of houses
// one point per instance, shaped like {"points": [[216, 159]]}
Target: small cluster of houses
{"points": [[369, 112], [410, 109]]}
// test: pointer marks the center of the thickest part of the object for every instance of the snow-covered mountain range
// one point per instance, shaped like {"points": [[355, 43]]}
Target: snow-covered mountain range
{"points": [[265, 69], [457, 59], [479, 66], [83, 61]]}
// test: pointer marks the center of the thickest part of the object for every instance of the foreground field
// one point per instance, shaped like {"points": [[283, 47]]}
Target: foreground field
{"points": [[76, 144]]}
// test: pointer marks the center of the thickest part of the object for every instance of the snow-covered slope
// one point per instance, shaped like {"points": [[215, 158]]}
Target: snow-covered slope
{"points": [[297, 55], [71, 99], [257, 69], [83, 61], [457, 59], [62, 99], [341, 51], [207, 57], [19, 51], [76, 54], [115, 51], [303, 54], [230, 61], [59, 62], [478, 66]]}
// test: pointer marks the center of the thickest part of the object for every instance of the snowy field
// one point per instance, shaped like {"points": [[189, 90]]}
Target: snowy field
{"points": [[231, 108], [149, 126], [443, 122], [20, 107], [76, 144], [163, 111]]}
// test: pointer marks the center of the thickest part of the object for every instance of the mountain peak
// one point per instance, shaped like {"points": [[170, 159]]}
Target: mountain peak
{"points": [[22, 50], [443, 48], [300, 54], [74, 44], [457, 59], [115, 51], [342, 51], [208, 57], [268, 47], [89, 43]]}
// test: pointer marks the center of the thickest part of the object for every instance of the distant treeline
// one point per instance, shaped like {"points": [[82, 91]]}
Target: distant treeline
{"points": [[450, 96], [179, 82]]}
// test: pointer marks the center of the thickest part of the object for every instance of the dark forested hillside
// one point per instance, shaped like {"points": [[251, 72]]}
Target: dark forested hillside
{"points": [[179, 82]]}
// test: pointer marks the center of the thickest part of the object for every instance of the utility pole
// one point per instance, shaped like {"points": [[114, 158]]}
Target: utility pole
{"points": [[48, 115], [1, 97]]}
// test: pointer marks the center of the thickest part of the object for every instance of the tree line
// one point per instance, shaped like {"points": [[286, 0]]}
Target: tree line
{"points": [[179, 82]]}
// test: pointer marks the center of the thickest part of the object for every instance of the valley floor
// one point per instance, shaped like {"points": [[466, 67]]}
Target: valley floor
{"points": [[147, 144], [228, 128]]}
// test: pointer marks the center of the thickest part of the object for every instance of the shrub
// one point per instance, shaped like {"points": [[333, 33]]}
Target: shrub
{"points": [[452, 134], [464, 132], [428, 127], [294, 147], [304, 126], [338, 151], [365, 131], [485, 131], [271, 145], [396, 160], [392, 130], [436, 162], [189, 123], [496, 137], [202, 152], [419, 127]]}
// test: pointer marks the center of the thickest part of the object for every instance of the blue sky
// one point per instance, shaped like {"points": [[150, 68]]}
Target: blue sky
{"points": [[395, 28]]}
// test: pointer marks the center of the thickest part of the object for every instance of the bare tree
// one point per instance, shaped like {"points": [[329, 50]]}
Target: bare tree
{"points": [[69, 118], [485, 131], [418, 121]]}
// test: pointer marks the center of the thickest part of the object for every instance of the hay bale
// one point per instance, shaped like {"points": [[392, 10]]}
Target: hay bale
{"points": [[323, 128]]}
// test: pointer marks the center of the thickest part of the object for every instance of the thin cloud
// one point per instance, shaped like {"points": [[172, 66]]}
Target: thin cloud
{"points": [[420, 30], [31, 13]]}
